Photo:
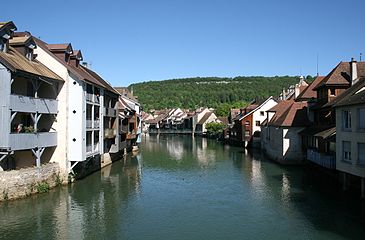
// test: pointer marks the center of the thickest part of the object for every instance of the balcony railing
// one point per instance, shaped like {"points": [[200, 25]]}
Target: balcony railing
{"points": [[20, 103], [22, 141], [90, 149], [110, 112], [89, 97], [324, 160]]}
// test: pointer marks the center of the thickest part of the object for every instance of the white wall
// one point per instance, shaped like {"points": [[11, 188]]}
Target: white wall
{"points": [[257, 116], [60, 126], [354, 136], [77, 121]]}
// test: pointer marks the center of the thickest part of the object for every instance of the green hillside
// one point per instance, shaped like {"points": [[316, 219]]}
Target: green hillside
{"points": [[219, 93]]}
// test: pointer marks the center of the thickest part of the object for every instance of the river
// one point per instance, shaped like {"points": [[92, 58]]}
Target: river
{"points": [[179, 187]]}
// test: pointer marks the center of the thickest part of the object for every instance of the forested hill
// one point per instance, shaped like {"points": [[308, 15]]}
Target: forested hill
{"points": [[209, 91]]}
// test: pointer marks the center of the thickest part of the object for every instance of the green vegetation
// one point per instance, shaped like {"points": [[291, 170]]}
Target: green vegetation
{"points": [[58, 180], [42, 187], [219, 93], [214, 129]]}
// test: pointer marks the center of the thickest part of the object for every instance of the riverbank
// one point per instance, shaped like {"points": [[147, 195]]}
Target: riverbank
{"points": [[22, 183]]}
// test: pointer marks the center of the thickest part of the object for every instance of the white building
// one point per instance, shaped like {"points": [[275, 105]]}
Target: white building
{"points": [[350, 133], [87, 115]]}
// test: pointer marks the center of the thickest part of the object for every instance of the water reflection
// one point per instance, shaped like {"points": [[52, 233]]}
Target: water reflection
{"points": [[204, 190]]}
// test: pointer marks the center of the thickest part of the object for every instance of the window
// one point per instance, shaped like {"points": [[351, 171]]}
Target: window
{"points": [[247, 123], [346, 151], [257, 123], [29, 54], [361, 118], [346, 119], [262, 113], [361, 153], [332, 92]]}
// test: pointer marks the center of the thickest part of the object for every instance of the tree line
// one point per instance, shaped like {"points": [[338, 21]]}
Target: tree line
{"points": [[219, 93]]}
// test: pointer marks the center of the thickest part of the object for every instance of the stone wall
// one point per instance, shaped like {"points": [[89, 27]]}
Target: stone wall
{"points": [[24, 182]]}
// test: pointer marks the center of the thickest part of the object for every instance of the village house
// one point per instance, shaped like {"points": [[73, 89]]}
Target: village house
{"points": [[29, 100], [246, 129], [280, 139], [350, 134], [130, 122], [202, 117]]}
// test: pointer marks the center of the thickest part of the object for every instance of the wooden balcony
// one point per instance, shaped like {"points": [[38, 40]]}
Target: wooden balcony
{"points": [[27, 104]]}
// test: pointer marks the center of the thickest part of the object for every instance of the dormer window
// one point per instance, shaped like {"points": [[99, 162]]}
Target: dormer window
{"points": [[29, 54]]}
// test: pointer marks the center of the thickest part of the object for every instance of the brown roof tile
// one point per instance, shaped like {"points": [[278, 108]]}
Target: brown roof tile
{"points": [[289, 114], [205, 118], [341, 75], [17, 62], [352, 96], [309, 92]]}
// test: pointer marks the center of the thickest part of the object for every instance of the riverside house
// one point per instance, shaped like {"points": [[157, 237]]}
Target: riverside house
{"points": [[130, 121], [29, 100], [87, 117], [319, 139], [350, 134], [246, 129], [280, 140]]}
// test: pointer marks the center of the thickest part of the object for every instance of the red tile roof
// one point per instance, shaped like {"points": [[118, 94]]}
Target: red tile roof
{"points": [[341, 75], [289, 114], [309, 91]]}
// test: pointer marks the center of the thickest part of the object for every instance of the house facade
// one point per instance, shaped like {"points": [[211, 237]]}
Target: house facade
{"points": [[350, 133], [87, 118], [29, 101], [246, 129]]}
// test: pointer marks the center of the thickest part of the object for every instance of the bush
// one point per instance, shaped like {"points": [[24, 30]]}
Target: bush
{"points": [[214, 128], [42, 187]]}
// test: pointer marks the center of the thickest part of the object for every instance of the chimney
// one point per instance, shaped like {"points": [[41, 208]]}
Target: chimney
{"points": [[283, 95], [296, 90], [353, 64]]}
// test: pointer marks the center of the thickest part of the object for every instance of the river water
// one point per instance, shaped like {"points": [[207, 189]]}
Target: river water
{"points": [[179, 187]]}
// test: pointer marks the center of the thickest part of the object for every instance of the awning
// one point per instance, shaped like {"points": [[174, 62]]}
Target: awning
{"points": [[326, 133]]}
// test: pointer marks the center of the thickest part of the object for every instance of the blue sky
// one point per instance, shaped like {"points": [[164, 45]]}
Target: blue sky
{"points": [[140, 40]]}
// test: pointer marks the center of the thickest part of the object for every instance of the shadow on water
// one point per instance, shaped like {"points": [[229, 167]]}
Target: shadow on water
{"points": [[77, 210], [310, 191]]}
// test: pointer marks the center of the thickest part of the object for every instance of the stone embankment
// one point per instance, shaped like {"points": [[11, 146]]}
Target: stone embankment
{"points": [[24, 182]]}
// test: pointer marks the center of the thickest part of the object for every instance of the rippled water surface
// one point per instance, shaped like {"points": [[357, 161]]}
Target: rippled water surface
{"points": [[178, 187]]}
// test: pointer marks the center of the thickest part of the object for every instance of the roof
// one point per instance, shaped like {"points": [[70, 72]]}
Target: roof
{"points": [[125, 92], [224, 120], [16, 41], [326, 133], [341, 75], [253, 108], [60, 47], [352, 96], [102, 82], [323, 132], [10, 25], [289, 113], [81, 72], [205, 118], [309, 91], [15, 62]]}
